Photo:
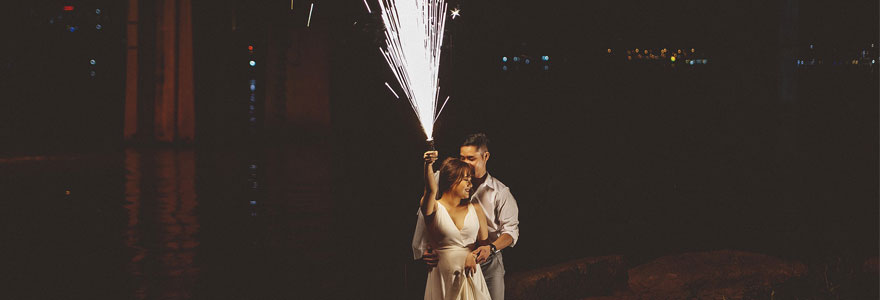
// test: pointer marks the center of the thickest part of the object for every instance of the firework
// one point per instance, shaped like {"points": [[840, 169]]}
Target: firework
{"points": [[413, 38]]}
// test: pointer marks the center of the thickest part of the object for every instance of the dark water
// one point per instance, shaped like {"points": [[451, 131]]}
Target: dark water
{"points": [[612, 164], [169, 223]]}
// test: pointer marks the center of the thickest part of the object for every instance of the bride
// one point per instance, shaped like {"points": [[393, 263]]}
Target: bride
{"points": [[455, 228]]}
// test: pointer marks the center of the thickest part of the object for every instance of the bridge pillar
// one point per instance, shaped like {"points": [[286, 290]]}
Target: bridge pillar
{"points": [[170, 93]]}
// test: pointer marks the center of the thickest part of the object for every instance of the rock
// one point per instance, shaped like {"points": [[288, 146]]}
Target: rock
{"points": [[592, 276], [723, 274]]}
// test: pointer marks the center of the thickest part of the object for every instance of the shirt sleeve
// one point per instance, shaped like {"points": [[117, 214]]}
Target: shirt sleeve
{"points": [[419, 236], [508, 214]]}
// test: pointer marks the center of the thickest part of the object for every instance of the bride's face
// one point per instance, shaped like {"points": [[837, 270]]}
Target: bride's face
{"points": [[462, 188]]}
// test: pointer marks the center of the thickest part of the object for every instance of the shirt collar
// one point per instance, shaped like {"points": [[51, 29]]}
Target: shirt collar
{"points": [[489, 183]]}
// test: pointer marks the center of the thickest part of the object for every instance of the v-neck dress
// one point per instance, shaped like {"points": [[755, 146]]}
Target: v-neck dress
{"points": [[448, 281]]}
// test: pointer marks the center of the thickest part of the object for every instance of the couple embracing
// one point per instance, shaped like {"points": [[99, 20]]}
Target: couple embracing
{"points": [[466, 217]]}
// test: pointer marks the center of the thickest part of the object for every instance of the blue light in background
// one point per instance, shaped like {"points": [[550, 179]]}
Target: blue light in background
{"points": [[545, 58], [253, 63], [528, 61], [504, 58], [516, 58], [503, 68], [92, 62], [99, 27]]}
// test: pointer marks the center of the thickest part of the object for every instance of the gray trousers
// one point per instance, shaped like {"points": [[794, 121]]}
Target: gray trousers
{"points": [[493, 271]]}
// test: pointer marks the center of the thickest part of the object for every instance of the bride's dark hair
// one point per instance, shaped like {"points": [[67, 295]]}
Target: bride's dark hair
{"points": [[452, 171]]}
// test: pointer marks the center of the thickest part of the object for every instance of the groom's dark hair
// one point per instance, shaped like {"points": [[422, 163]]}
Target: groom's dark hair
{"points": [[479, 140], [452, 171]]}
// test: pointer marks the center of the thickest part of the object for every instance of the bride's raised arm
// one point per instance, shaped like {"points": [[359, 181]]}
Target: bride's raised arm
{"points": [[429, 198]]}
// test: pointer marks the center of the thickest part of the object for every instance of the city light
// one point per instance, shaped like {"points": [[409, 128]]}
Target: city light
{"points": [[97, 11], [253, 63], [68, 8], [92, 62], [516, 58], [545, 58], [98, 27], [528, 61], [672, 58], [503, 68], [609, 50], [504, 58]]}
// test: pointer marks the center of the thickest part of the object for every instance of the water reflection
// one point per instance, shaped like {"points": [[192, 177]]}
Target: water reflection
{"points": [[165, 248], [228, 224]]}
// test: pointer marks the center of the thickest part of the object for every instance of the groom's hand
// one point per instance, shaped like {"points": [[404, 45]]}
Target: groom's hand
{"points": [[482, 253], [430, 258]]}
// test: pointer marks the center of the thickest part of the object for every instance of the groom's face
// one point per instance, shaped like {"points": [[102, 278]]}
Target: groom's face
{"points": [[476, 158]]}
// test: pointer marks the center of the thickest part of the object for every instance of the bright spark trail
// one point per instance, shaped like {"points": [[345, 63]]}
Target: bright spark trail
{"points": [[310, 15], [392, 91], [413, 38], [368, 7]]}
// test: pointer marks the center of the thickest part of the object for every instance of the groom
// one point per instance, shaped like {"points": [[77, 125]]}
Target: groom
{"points": [[500, 209]]}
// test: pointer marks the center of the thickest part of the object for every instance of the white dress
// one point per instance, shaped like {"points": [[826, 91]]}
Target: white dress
{"points": [[448, 281]]}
